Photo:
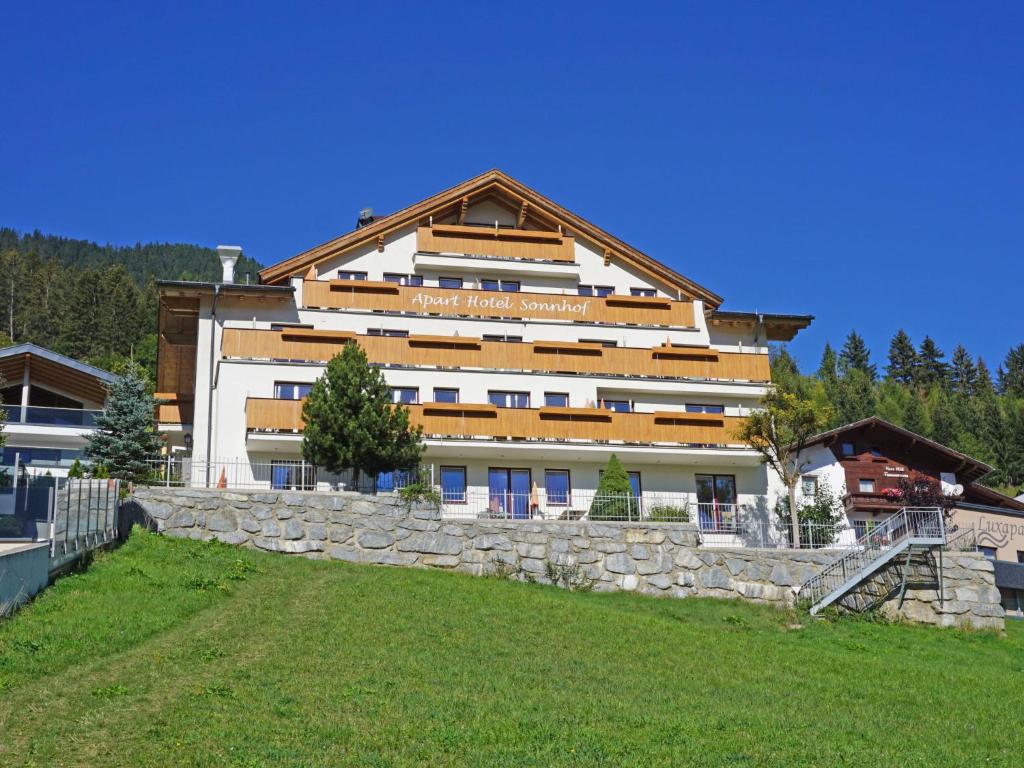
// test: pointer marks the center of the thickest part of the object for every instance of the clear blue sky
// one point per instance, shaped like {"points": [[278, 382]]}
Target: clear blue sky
{"points": [[859, 162]]}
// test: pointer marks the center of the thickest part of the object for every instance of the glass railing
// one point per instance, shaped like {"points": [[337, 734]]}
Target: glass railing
{"points": [[53, 417]]}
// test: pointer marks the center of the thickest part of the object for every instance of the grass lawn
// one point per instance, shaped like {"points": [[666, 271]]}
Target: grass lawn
{"points": [[168, 653]]}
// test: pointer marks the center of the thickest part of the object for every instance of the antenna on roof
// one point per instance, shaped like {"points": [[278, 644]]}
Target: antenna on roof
{"points": [[365, 218]]}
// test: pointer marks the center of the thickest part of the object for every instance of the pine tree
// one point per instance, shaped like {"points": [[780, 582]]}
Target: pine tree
{"points": [[855, 397], [892, 401], [828, 369], [613, 499], [1011, 380], [945, 424], [963, 375], [932, 369], [984, 382], [855, 356], [914, 418], [125, 438], [351, 422], [903, 360]]}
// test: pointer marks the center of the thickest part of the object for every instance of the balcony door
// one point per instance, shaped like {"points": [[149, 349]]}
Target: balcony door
{"points": [[509, 492], [716, 501]]}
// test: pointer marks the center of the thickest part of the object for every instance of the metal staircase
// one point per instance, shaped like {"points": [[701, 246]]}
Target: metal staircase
{"points": [[911, 530]]}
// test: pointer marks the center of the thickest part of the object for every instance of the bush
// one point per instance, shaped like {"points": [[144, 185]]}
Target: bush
{"points": [[667, 513], [614, 499]]}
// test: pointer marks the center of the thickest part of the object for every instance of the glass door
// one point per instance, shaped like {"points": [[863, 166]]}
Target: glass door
{"points": [[716, 501], [509, 492]]}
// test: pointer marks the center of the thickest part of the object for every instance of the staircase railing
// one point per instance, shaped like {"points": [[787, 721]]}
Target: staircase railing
{"points": [[877, 546]]}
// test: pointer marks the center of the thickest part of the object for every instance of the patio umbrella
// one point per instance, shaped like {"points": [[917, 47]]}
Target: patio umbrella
{"points": [[534, 498]]}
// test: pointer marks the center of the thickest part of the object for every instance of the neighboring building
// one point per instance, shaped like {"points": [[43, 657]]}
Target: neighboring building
{"points": [[864, 462], [529, 343], [51, 402]]}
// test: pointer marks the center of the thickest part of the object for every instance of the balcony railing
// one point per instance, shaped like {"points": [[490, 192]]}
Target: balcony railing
{"points": [[309, 345], [418, 300], [37, 415], [483, 420], [498, 242]]}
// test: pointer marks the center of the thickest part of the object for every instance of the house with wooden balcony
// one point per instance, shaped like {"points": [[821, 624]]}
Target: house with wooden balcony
{"points": [[50, 404], [529, 343]]}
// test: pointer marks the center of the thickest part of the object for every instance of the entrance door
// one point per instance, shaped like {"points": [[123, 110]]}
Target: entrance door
{"points": [[509, 492], [716, 501]]}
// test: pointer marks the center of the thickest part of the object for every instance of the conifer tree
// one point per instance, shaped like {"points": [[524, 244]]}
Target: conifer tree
{"points": [[903, 360], [914, 418], [855, 397], [828, 369], [984, 381], [352, 424], [945, 424], [932, 369], [613, 499], [963, 375], [855, 356], [125, 437], [1011, 380]]}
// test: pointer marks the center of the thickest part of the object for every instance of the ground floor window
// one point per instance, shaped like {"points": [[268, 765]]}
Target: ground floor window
{"points": [[989, 552], [509, 493], [716, 501], [453, 485], [808, 486], [292, 476], [556, 487], [863, 527]]}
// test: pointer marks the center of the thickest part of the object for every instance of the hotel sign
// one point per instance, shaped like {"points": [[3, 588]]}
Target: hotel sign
{"points": [[506, 305]]}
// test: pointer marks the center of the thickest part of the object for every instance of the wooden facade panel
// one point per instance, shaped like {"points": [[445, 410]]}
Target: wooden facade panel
{"points": [[419, 300], [176, 352], [463, 352], [263, 414], [503, 243]]}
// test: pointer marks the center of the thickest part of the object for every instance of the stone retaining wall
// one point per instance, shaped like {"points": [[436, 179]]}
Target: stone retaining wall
{"points": [[651, 558]]}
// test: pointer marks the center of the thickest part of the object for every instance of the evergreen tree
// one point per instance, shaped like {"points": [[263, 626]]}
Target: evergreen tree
{"points": [[855, 397], [903, 360], [1011, 379], [914, 418], [932, 369], [828, 369], [125, 437], [892, 401], [856, 357], [984, 381], [963, 375], [945, 424], [351, 422], [613, 499]]}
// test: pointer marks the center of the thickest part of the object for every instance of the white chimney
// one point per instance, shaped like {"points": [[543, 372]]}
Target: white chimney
{"points": [[228, 258]]}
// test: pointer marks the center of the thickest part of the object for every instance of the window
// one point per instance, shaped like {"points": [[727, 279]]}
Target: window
{"points": [[453, 485], [343, 275], [642, 292], [405, 395], [716, 501], [864, 485], [862, 528], [847, 449], [387, 332], [602, 342], [501, 337], [449, 282], [701, 408], [398, 478], [287, 390], [596, 290], [1020, 556], [509, 399], [287, 326], [445, 395], [509, 493], [989, 552], [556, 487], [556, 399], [391, 277], [290, 475], [622, 406], [500, 285], [808, 486]]}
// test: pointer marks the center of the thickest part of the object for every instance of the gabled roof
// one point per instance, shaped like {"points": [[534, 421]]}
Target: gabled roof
{"points": [[493, 183], [57, 370], [968, 468]]}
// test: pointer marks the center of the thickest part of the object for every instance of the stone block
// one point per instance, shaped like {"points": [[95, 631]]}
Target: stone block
{"points": [[271, 528], [222, 521], [493, 541], [158, 510], [249, 525], [316, 532], [715, 578], [180, 518], [735, 565], [619, 562], [440, 561], [639, 552], [781, 576], [685, 558], [260, 512], [232, 537], [660, 581], [629, 582], [294, 529], [291, 499], [533, 566], [374, 539], [339, 534], [314, 516], [534, 550], [431, 544]]}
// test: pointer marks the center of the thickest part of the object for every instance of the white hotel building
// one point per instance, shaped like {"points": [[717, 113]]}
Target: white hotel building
{"points": [[529, 344]]}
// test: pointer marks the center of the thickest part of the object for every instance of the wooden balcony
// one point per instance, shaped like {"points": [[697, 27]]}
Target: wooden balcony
{"points": [[390, 297], [501, 243], [174, 408], [481, 420], [468, 352]]}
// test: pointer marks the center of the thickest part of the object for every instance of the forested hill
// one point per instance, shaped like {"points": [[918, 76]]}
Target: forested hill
{"points": [[164, 261], [93, 302]]}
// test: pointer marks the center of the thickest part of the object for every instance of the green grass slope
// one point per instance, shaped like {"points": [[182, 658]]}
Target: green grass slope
{"points": [[170, 653]]}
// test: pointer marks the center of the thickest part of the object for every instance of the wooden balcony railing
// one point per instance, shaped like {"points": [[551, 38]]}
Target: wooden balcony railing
{"points": [[174, 408], [391, 297], [468, 420], [307, 345], [503, 243]]}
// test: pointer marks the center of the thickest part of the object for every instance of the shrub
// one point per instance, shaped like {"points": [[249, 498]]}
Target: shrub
{"points": [[614, 499], [668, 513]]}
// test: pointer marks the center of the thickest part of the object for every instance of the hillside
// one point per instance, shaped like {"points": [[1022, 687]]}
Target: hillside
{"points": [[173, 652], [94, 302]]}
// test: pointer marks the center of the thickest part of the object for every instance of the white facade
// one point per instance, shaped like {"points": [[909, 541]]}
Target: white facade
{"points": [[219, 427]]}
